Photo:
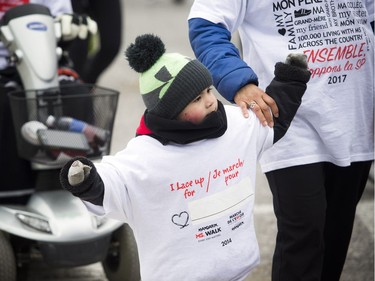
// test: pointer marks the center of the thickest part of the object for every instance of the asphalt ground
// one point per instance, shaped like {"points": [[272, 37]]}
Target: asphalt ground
{"points": [[168, 20]]}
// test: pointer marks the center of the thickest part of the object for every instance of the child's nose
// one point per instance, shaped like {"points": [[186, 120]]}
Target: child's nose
{"points": [[210, 100]]}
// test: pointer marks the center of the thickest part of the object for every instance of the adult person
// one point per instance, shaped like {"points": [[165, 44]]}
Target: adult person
{"points": [[318, 171], [13, 187], [17, 177]]}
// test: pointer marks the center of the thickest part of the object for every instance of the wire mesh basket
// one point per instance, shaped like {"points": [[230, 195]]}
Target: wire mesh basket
{"points": [[53, 125]]}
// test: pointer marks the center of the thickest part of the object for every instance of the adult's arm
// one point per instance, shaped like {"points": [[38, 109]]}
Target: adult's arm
{"points": [[233, 78], [212, 46]]}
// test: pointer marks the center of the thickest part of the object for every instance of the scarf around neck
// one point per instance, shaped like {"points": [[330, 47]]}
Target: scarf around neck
{"points": [[183, 132]]}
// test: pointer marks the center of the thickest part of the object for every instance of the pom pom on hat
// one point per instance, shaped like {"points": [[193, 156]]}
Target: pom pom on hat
{"points": [[168, 81], [144, 53]]}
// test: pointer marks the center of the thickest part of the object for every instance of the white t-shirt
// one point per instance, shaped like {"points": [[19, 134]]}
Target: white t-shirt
{"points": [[335, 122], [190, 206]]}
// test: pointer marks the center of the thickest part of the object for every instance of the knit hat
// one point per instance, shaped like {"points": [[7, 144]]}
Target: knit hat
{"points": [[168, 81]]}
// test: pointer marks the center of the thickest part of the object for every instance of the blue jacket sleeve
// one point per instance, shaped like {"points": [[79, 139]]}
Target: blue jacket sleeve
{"points": [[212, 46]]}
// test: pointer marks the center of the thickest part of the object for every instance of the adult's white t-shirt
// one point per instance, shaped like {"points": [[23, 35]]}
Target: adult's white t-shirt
{"points": [[335, 122]]}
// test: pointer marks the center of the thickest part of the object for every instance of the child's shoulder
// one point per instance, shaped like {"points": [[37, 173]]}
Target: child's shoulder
{"points": [[234, 111], [235, 116]]}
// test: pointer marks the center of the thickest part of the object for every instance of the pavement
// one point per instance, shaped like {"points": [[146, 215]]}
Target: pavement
{"points": [[169, 21]]}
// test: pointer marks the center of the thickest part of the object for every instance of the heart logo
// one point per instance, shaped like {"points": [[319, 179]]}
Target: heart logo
{"points": [[282, 31], [181, 219]]}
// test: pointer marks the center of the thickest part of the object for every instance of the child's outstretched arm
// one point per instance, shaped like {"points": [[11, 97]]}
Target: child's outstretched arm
{"points": [[287, 89], [79, 176]]}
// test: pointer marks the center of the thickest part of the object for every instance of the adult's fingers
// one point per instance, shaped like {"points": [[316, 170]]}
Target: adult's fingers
{"points": [[250, 96], [244, 106]]}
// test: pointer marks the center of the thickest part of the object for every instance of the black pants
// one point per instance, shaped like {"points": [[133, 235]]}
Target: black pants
{"points": [[108, 16], [315, 209]]}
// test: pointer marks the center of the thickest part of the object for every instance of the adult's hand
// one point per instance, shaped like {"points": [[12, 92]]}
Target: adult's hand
{"points": [[251, 96], [75, 25]]}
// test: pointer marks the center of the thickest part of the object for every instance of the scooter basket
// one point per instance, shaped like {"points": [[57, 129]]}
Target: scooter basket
{"points": [[53, 125]]}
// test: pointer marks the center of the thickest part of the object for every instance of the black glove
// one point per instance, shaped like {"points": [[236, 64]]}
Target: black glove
{"points": [[287, 89], [79, 176]]}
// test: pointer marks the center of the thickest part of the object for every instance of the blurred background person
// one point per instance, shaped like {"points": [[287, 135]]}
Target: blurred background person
{"points": [[15, 188], [92, 56]]}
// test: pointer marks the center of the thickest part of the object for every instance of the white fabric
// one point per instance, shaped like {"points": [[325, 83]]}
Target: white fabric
{"points": [[190, 206], [335, 122]]}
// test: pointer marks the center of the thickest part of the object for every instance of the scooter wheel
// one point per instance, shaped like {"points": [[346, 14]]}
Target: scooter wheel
{"points": [[7, 260], [122, 262]]}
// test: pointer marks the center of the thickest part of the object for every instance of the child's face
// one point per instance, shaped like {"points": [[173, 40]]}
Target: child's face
{"points": [[199, 108]]}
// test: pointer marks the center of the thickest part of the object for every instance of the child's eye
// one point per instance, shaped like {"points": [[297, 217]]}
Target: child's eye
{"points": [[197, 99], [209, 89]]}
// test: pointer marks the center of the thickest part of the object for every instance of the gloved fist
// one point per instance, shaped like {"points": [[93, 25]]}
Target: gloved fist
{"points": [[73, 25], [298, 59], [78, 172]]}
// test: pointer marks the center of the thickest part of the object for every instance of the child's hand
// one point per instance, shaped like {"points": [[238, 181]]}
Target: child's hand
{"points": [[298, 59], [78, 172]]}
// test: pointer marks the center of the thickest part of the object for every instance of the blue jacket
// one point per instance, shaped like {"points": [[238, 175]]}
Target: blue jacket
{"points": [[230, 73]]}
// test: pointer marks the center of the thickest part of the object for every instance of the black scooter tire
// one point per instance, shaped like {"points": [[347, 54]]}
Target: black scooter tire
{"points": [[122, 262], [8, 271]]}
